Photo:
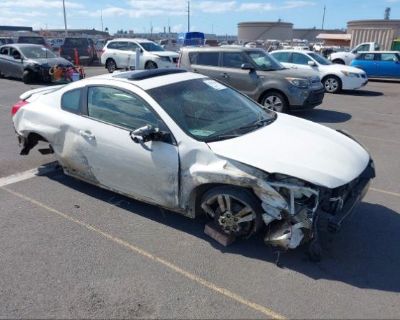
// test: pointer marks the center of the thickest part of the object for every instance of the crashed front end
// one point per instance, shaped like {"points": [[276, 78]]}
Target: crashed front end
{"points": [[293, 207]]}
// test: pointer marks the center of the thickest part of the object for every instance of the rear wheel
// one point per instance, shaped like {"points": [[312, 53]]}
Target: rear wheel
{"points": [[332, 84], [150, 65], [111, 65], [235, 211], [274, 101]]}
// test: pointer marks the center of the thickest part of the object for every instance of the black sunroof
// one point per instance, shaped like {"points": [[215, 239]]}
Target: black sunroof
{"points": [[146, 74]]}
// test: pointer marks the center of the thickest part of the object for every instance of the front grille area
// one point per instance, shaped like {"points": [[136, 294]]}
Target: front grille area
{"points": [[315, 97], [175, 60]]}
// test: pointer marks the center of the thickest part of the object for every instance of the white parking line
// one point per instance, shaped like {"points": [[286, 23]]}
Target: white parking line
{"points": [[25, 175], [267, 312]]}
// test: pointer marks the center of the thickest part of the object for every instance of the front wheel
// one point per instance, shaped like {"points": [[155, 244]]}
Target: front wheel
{"points": [[111, 65], [332, 84], [150, 65], [274, 101], [235, 211]]}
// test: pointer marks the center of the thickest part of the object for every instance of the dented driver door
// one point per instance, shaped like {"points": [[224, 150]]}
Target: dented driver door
{"points": [[146, 171]]}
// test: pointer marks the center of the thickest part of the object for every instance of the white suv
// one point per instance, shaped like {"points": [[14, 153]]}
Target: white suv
{"points": [[121, 54]]}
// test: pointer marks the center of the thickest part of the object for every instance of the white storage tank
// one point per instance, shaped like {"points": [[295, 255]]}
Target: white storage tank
{"points": [[252, 31]]}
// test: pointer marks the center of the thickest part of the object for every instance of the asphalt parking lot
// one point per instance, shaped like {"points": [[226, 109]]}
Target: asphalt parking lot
{"points": [[72, 250]]}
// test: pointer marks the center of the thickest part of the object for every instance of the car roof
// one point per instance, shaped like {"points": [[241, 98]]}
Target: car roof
{"points": [[294, 50], [132, 39], [23, 45], [148, 79], [218, 49], [388, 51]]}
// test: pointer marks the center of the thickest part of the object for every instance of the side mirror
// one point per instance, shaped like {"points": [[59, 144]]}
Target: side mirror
{"points": [[312, 63], [149, 133], [247, 66]]}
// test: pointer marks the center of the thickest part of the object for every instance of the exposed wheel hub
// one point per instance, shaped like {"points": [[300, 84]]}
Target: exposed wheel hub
{"points": [[229, 222]]}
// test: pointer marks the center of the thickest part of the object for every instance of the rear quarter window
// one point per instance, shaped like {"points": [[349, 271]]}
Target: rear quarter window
{"points": [[207, 58], [71, 101]]}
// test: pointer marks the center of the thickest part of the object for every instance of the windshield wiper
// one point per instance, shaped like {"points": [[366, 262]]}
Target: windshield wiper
{"points": [[258, 124], [223, 137]]}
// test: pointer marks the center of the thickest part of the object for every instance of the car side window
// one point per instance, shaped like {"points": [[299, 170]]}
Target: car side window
{"points": [[5, 51], [111, 45], [298, 58], [207, 58], [71, 101], [367, 56], [388, 57], [364, 47], [282, 56], [130, 46], [119, 108], [233, 59]]}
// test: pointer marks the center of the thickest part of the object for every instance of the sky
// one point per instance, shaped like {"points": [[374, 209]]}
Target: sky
{"points": [[209, 16]]}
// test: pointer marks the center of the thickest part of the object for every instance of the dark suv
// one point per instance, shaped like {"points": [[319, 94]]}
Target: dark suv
{"points": [[85, 46], [33, 40], [258, 75]]}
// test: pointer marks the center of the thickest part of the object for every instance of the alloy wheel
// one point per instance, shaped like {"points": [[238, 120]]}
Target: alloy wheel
{"points": [[234, 216], [274, 103], [331, 85]]}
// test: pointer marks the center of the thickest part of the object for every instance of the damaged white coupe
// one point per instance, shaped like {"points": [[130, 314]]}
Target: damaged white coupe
{"points": [[187, 143]]}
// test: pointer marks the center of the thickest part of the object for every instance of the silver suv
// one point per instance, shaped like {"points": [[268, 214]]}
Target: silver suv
{"points": [[255, 73]]}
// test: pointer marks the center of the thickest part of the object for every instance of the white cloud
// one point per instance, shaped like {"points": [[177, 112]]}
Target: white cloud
{"points": [[216, 6], [46, 4]]}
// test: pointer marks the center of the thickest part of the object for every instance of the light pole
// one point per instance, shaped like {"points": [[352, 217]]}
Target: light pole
{"points": [[188, 16], [65, 19]]}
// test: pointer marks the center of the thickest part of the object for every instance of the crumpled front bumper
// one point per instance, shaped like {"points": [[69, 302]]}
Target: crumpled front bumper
{"points": [[344, 199]]}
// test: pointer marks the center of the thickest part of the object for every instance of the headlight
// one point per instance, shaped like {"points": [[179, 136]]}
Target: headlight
{"points": [[164, 59], [300, 83], [350, 74]]}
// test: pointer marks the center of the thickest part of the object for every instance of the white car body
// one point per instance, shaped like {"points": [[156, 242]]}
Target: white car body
{"points": [[288, 156], [351, 78], [348, 57], [125, 58]]}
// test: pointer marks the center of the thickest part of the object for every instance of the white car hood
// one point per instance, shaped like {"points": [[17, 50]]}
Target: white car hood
{"points": [[298, 148], [340, 67], [165, 54]]}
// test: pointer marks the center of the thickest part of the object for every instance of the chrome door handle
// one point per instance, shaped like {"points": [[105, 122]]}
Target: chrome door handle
{"points": [[87, 134]]}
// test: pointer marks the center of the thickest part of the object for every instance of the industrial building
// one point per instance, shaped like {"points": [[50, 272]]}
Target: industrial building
{"points": [[381, 31], [278, 30]]}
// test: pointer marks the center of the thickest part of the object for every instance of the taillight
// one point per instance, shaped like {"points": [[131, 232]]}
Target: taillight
{"points": [[18, 106]]}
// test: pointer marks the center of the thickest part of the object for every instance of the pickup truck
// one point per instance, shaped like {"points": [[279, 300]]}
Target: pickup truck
{"points": [[347, 57]]}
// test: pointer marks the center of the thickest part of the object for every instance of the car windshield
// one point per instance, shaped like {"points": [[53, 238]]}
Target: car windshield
{"points": [[209, 111], [320, 59], [37, 52], [151, 46]]}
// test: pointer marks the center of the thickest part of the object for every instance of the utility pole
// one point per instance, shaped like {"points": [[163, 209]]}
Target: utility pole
{"points": [[101, 17], [323, 18], [188, 16], [65, 19]]}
